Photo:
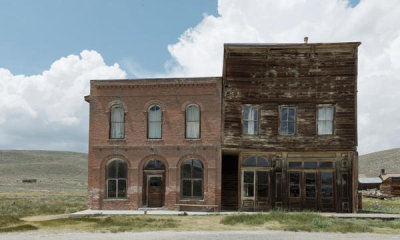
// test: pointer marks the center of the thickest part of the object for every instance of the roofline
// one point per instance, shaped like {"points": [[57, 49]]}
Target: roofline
{"points": [[154, 79], [288, 44]]}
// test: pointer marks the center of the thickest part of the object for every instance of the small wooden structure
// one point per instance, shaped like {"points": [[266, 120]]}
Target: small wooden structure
{"points": [[390, 183], [365, 183]]}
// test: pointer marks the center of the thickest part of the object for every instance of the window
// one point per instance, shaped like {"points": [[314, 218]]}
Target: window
{"points": [[116, 179], [310, 179], [192, 179], [117, 123], [294, 184], [154, 165], [250, 120], [193, 121], [154, 122], [325, 120], [327, 185], [288, 120], [255, 179]]}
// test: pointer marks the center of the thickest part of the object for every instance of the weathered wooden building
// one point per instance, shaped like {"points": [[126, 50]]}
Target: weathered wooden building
{"points": [[278, 130], [390, 183]]}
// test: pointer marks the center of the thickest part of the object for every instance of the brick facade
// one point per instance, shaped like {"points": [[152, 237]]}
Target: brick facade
{"points": [[136, 96]]}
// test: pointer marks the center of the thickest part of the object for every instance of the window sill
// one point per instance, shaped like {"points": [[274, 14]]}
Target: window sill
{"points": [[185, 200], [117, 141], [192, 140], [115, 199], [155, 140]]}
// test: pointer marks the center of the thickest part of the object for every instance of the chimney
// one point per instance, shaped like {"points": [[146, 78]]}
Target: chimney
{"points": [[305, 40], [383, 172]]}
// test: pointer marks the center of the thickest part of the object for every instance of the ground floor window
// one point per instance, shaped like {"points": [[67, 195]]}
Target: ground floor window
{"points": [[116, 173], [192, 179]]}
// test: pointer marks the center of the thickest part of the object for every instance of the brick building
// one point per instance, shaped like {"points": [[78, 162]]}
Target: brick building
{"points": [[277, 130]]}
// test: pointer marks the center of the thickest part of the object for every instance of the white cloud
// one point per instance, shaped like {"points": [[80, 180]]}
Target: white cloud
{"points": [[375, 23], [37, 112]]}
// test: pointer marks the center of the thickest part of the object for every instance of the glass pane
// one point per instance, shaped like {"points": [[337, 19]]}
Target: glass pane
{"points": [[121, 169], [321, 127], [310, 164], [329, 113], [246, 112], [255, 123], [248, 189], [321, 113], [192, 129], [192, 113], [250, 161], [197, 188], [255, 114], [248, 177], [284, 114], [154, 165], [310, 191], [294, 178], [262, 190], [326, 165], [262, 162], [294, 191], [155, 181], [121, 188], [262, 177], [186, 188], [284, 128], [197, 169], [292, 113], [291, 128], [327, 178], [187, 169], [310, 178], [246, 127], [154, 129], [294, 164], [326, 191], [112, 189], [112, 169]]}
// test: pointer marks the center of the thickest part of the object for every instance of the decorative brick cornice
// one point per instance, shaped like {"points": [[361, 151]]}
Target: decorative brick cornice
{"points": [[158, 85]]}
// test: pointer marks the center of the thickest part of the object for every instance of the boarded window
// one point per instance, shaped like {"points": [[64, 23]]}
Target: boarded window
{"points": [[250, 120], [192, 179], [117, 123], [288, 120], [325, 120], [116, 179], [154, 122], [193, 121]]}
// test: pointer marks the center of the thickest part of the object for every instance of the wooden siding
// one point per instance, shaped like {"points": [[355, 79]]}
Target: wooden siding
{"points": [[302, 76]]}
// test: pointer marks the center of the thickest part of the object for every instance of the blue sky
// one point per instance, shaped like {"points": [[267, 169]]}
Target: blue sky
{"points": [[36, 33], [50, 49]]}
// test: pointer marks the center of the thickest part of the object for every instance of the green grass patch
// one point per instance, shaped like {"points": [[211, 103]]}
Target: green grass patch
{"points": [[14, 224], [311, 222], [375, 205]]}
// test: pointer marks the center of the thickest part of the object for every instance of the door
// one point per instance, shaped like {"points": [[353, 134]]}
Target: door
{"points": [[154, 191], [326, 192], [310, 190]]}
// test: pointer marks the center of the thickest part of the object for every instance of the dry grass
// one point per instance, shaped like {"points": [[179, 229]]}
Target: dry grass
{"points": [[375, 205]]}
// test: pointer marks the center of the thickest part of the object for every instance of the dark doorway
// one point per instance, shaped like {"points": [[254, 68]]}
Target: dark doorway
{"points": [[229, 190], [155, 184]]}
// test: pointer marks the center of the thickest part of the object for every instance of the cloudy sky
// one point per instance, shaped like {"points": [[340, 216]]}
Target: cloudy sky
{"points": [[50, 49]]}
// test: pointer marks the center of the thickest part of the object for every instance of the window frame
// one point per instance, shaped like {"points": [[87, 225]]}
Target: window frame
{"points": [[255, 169], [294, 121], [257, 121], [333, 119], [148, 122], [111, 123], [191, 179], [117, 179], [186, 121]]}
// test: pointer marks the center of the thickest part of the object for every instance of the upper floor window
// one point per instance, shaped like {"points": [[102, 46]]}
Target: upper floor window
{"points": [[325, 120], [117, 123], [116, 179], [250, 120], [193, 121], [288, 121], [154, 122]]}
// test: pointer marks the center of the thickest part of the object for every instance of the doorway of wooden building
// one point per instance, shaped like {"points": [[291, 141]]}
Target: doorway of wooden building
{"points": [[155, 191]]}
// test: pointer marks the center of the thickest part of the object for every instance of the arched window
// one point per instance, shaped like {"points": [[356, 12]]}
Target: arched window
{"points": [[154, 122], [193, 121], [116, 173], [192, 179], [117, 123], [154, 165]]}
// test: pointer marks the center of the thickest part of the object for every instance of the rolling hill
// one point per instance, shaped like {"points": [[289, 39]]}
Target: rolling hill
{"points": [[372, 163], [54, 170]]}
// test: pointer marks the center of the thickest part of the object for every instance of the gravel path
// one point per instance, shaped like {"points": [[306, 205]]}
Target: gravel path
{"points": [[227, 235]]}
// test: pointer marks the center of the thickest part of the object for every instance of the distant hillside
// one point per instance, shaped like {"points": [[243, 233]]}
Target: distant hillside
{"points": [[54, 170], [372, 163]]}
